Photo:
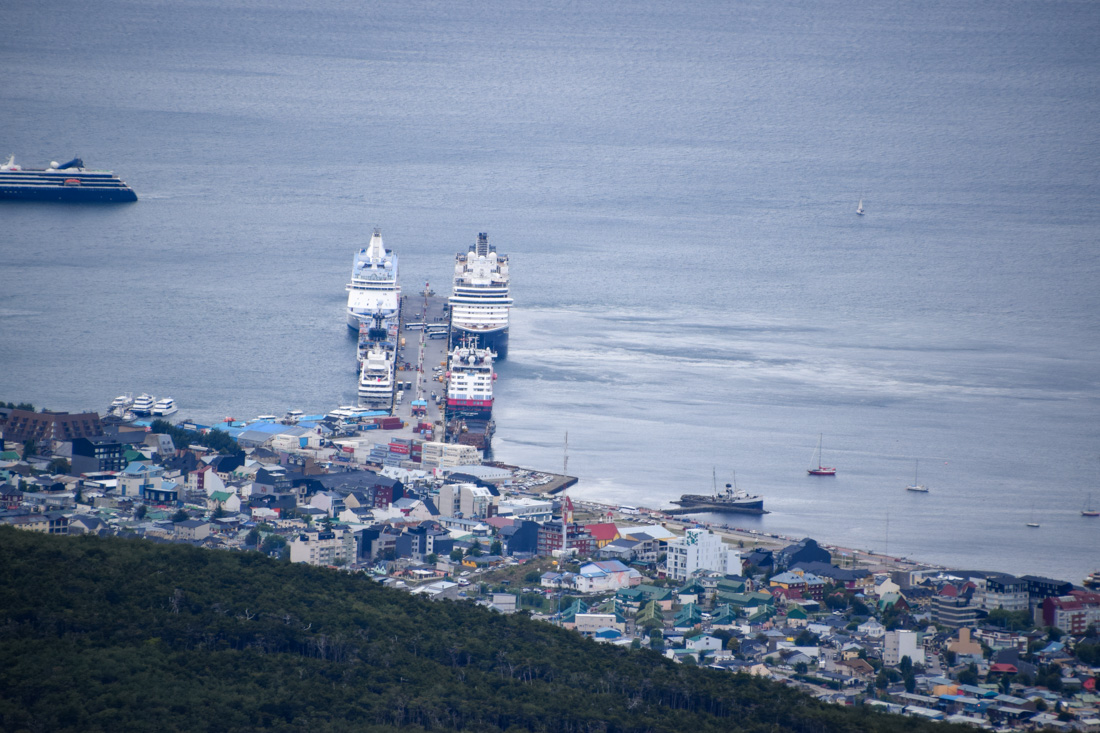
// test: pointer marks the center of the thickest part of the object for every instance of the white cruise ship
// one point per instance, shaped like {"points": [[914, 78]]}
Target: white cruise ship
{"points": [[480, 301], [373, 288], [376, 379], [470, 378]]}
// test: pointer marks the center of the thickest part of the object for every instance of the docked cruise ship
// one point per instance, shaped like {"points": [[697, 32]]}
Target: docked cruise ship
{"points": [[480, 301], [373, 289], [68, 182], [376, 378], [470, 378]]}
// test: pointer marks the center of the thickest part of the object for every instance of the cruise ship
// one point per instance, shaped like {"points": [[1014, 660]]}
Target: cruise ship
{"points": [[376, 378], [480, 302], [67, 182], [470, 379], [373, 289], [468, 409]]}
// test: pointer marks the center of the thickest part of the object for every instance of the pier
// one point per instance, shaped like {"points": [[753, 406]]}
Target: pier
{"points": [[422, 360]]}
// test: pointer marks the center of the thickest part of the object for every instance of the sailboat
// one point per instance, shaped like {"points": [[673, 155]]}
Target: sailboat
{"points": [[1088, 511], [1031, 522], [820, 470], [859, 208], [916, 485]]}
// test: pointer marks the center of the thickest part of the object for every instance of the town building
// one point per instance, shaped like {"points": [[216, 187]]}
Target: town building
{"points": [[447, 455], [48, 426], [901, 643], [700, 549], [323, 547], [1072, 613], [192, 529], [97, 453], [467, 500], [579, 540], [1001, 591], [523, 507]]}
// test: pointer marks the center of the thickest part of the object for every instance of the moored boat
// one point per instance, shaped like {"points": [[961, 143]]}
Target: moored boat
{"points": [[373, 290], [165, 407], [917, 486], [143, 405], [376, 385], [480, 300], [730, 500], [821, 470]]}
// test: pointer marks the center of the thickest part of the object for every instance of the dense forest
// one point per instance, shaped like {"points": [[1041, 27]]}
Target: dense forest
{"points": [[115, 634]]}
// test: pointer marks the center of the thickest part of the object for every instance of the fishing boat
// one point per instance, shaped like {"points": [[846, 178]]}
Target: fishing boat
{"points": [[820, 470], [917, 486]]}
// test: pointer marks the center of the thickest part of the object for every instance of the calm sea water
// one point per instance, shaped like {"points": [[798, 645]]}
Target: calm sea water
{"points": [[676, 186]]}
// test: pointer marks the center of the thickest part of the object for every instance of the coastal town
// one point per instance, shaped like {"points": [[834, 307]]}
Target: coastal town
{"points": [[373, 495]]}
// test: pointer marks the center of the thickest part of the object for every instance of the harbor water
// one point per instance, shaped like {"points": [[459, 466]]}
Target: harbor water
{"points": [[676, 186]]}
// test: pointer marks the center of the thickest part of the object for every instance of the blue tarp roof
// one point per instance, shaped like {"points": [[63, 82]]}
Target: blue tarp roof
{"points": [[271, 428]]}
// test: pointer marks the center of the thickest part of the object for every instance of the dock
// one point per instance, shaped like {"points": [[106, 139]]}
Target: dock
{"points": [[422, 360]]}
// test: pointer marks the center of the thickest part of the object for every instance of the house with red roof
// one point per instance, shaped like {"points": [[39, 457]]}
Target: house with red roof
{"points": [[604, 533]]}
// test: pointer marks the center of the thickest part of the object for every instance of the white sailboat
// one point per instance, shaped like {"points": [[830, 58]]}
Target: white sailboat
{"points": [[1031, 521], [859, 207], [916, 485]]}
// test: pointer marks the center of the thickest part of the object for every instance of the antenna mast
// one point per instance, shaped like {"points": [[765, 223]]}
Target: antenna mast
{"points": [[565, 456]]}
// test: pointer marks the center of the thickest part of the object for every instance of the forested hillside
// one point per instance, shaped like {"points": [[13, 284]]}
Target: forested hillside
{"points": [[113, 634]]}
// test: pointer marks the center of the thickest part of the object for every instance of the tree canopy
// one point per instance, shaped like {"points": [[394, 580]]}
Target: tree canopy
{"points": [[105, 633]]}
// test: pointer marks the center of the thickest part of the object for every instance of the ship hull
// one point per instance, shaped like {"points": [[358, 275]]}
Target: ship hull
{"points": [[68, 194], [475, 409]]}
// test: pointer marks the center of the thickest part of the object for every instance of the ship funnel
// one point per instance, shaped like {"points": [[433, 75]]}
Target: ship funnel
{"points": [[482, 249]]}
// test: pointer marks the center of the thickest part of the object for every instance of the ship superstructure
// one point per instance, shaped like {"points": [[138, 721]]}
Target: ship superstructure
{"points": [[469, 399], [373, 289], [470, 378], [480, 300], [376, 378]]}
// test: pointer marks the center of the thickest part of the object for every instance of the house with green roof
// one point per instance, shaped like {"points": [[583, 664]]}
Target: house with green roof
{"points": [[725, 616], [650, 615], [797, 616], [640, 595], [689, 617], [227, 501], [746, 600], [760, 615], [569, 615], [692, 592], [728, 585]]}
